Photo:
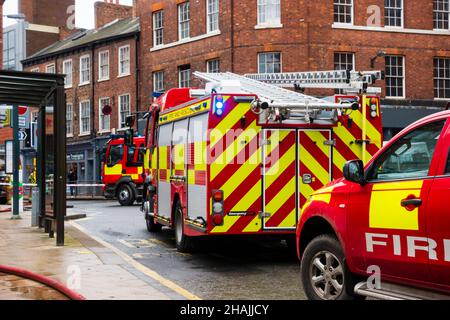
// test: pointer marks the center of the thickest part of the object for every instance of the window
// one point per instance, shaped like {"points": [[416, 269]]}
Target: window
{"points": [[85, 70], [269, 12], [213, 66], [183, 21], [103, 65], [69, 119], [442, 78], [410, 156], [124, 110], [269, 62], [85, 117], [50, 68], [393, 13], [67, 70], [9, 50], [35, 70], [395, 77], [158, 81], [343, 11], [158, 28], [115, 155], [343, 61], [124, 61], [441, 13], [105, 120], [184, 73], [212, 15]]}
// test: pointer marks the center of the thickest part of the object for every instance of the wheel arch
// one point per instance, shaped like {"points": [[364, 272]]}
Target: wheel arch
{"points": [[312, 228]]}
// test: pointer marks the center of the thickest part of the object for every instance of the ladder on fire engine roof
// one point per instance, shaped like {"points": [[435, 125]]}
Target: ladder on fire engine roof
{"points": [[275, 103], [351, 82]]}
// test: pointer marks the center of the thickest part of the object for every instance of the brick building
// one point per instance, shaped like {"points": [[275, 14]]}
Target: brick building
{"points": [[100, 67], [407, 39]]}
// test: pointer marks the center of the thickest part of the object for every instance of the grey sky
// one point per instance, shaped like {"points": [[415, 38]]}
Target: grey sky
{"points": [[84, 11]]}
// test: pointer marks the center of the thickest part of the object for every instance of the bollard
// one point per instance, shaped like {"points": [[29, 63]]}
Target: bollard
{"points": [[35, 207]]}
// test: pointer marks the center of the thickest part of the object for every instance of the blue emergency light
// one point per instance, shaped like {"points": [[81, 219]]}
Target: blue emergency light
{"points": [[219, 105]]}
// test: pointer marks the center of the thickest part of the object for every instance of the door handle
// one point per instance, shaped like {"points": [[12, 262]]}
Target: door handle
{"points": [[408, 203]]}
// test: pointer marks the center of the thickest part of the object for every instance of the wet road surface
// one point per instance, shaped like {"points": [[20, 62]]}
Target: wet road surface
{"points": [[222, 268]]}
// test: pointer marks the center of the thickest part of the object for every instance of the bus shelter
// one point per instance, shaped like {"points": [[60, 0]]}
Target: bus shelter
{"points": [[46, 92]]}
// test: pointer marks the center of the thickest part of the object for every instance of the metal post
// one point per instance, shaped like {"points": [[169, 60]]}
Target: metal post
{"points": [[16, 160], [60, 161]]}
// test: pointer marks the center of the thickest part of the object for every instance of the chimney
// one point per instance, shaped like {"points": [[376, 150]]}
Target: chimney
{"points": [[108, 11]]}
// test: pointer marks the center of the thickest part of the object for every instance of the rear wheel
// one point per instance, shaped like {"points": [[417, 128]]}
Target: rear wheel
{"points": [[125, 195], [324, 272], [184, 243]]}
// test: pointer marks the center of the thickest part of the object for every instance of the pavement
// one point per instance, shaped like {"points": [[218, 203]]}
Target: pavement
{"points": [[83, 265]]}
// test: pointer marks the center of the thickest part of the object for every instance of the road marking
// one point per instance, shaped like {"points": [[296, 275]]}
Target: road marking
{"points": [[138, 266], [136, 243]]}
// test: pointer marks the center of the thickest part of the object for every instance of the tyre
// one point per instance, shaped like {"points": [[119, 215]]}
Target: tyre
{"points": [[125, 195], [184, 243], [152, 226], [324, 272]]}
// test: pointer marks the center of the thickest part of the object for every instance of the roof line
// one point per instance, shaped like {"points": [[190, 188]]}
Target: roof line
{"points": [[84, 45]]}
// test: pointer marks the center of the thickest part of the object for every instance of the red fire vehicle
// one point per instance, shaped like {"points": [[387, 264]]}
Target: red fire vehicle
{"points": [[241, 157], [123, 170], [387, 222]]}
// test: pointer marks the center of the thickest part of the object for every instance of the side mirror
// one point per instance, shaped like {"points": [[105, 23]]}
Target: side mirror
{"points": [[354, 172]]}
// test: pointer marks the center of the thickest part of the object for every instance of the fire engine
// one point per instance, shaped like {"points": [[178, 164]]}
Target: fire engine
{"points": [[385, 221], [122, 170], [243, 155]]}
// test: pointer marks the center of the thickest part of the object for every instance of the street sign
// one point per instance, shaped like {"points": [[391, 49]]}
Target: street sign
{"points": [[22, 136], [24, 117], [34, 134]]}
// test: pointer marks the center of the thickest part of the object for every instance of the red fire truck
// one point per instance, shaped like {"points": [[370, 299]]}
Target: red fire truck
{"points": [[123, 170], [387, 221], [242, 157]]}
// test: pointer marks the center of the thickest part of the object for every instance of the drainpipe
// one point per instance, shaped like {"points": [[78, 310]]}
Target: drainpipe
{"points": [[232, 34], [137, 76], [93, 131]]}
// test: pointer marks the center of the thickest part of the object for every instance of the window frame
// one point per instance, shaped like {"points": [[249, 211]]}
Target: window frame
{"points": [[402, 16], [120, 73], [403, 77], [267, 4], [352, 12], [436, 80], [88, 70], [212, 15], [181, 70], [66, 84], [84, 133], [158, 29], [50, 65], [266, 53], [208, 67], [101, 116], [7, 50], [443, 12], [121, 128], [186, 22], [100, 65], [155, 73], [372, 168], [71, 133]]}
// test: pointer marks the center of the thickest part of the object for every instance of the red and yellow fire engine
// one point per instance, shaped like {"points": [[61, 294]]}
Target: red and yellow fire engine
{"points": [[242, 157], [123, 170]]}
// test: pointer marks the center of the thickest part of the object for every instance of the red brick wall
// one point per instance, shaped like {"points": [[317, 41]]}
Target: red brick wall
{"points": [[46, 12], [107, 12], [112, 88], [307, 41]]}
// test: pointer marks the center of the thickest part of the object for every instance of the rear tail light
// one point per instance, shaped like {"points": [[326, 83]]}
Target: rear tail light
{"points": [[217, 207]]}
